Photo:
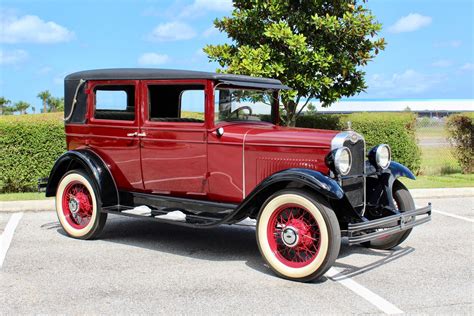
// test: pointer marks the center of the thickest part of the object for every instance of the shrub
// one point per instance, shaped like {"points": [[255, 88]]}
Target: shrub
{"points": [[395, 129], [461, 136], [29, 146]]}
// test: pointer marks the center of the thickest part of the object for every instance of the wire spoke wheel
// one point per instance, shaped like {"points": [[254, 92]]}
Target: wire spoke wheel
{"points": [[298, 234], [294, 235], [78, 206]]}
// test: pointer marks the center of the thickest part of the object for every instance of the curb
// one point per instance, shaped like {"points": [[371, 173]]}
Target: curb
{"points": [[28, 206], [442, 193]]}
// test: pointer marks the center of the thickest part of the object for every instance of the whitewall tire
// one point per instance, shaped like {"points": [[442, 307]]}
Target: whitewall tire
{"points": [[78, 206], [298, 235]]}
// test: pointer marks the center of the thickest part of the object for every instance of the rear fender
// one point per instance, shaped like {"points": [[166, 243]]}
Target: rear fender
{"points": [[95, 167]]}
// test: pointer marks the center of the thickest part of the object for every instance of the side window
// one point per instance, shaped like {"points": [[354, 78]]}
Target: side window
{"points": [[115, 103], [176, 103]]}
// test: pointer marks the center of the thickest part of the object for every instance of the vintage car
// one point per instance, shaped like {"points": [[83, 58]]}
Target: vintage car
{"points": [[208, 147]]}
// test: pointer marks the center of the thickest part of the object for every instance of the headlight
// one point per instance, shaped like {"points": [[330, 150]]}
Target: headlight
{"points": [[342, 160], [381, 156]]}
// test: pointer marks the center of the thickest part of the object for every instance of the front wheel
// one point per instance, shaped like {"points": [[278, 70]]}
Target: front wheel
{"points": [[298, 235], [78, 206], [404, 202]]}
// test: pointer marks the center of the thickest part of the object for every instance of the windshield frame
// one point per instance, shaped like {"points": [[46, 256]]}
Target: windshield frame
{"points": [[274, 93]]}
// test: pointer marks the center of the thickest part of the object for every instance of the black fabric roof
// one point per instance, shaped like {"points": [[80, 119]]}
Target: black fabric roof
{"points": [[150, 73]]}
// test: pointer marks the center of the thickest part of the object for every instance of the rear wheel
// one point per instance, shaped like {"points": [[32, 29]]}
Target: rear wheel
{"points": [[78, 206], [404, 202], [298, 235]]}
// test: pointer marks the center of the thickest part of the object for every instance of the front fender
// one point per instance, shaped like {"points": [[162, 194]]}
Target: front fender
{"points": [[398, 170], [280, 180], [93, 165]]}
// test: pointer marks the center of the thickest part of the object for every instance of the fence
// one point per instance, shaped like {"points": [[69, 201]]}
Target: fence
{"points": [[436, 153]]}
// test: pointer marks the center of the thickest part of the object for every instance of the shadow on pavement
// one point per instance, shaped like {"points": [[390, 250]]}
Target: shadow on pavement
{"points": [[223, 243]]}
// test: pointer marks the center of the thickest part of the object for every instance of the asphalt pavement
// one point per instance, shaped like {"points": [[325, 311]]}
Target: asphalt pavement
{"points": [[143, 267]]}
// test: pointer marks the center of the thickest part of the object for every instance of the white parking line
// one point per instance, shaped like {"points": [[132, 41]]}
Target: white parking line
{"points": [[7, 236], [379, 302], [451, 215], [454, 216]]}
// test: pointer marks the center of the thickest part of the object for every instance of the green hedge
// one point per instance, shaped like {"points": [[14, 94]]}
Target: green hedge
{"points": [[29, 146], [460, 129], [394, 129]]}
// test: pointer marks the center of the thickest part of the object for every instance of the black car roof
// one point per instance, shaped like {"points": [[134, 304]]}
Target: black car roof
{"points": [[151, 73]]}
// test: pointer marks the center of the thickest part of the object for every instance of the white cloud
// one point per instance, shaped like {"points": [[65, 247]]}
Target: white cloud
{"points": [[172, 31], [442, 63], [410, 23], [10, 57], [31, 29], [468, 67], [153, 59], [211, 31], [407, 83], [198, 7]]}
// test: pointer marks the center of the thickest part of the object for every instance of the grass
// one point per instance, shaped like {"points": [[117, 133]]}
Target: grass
{"points": [[456, 180], [22, 196]]}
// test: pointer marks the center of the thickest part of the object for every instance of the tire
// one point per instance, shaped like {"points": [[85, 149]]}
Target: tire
{"points": [[404, 201], [308, 242], [78, 206]]}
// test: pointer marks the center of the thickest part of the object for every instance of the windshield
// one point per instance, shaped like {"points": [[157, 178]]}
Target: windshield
{"points": [[243, 105]]}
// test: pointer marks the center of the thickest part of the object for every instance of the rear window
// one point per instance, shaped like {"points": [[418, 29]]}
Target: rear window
{"points": [[115, 103]]}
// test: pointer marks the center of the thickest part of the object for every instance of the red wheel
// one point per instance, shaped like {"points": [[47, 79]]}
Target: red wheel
{"points": [[77, 206], [298, 236], [294, 236]]}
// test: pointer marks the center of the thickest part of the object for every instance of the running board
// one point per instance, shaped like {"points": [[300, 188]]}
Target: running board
{"points": [[172, 216], [160, 201]]}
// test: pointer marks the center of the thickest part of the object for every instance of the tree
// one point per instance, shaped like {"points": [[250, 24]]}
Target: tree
{"points": [[3, 103], [22, 106], [55, 104], [44, 96], [316, 47]]}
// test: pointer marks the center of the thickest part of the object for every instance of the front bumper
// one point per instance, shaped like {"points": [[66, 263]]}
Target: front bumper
{"points": [[382, 227]]}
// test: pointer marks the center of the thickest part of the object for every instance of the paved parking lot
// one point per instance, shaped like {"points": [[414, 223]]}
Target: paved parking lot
{"points": [[145, 267]]}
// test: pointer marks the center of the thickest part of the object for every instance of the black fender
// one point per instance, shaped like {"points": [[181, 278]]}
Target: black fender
{"points": [[398, 170], [305, 177], [385, 182], [96, 168]]}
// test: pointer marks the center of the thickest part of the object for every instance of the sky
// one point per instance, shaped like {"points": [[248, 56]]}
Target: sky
{"points": [[429, 53]]}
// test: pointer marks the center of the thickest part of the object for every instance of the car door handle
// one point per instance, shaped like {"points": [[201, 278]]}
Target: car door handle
{"points": [[141, 134], [132, 134]]}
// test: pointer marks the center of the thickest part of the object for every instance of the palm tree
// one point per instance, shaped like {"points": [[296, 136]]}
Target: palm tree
{"points": [[44, 95], [22, 106], [56, 104], [3, 103]]}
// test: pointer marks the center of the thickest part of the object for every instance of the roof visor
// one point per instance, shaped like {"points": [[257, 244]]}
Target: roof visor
{"points": [[261, 85]]}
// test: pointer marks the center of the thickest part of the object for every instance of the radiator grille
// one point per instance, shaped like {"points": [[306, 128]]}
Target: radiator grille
{"points": [[354, 184]]}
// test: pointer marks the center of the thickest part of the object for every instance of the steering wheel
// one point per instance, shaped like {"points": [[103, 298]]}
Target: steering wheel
{"points": [[244, 107]]}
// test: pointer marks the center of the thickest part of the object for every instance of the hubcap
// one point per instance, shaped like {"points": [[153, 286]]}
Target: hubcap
{"points": [[289, 236], [73, 205]]}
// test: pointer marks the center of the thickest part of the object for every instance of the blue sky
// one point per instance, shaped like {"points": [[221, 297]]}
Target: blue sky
{"points": [[429, 53]]}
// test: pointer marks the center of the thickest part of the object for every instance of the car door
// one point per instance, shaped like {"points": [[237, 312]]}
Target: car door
{"points": [[113, 128], [173, 145]]}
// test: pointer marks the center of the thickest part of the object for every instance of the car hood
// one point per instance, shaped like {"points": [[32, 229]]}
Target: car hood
{"points": [[271, 135]]}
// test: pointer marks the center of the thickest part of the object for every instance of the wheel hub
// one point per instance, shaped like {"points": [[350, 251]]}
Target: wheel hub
{"points": [[290, 236], [73, 205]]}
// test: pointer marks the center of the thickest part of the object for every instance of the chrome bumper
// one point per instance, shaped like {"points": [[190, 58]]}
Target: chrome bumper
{"points": [[369, 230]]}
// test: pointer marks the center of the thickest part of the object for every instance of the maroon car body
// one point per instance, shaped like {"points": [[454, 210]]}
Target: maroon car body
{"points": [[131, 142]]}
